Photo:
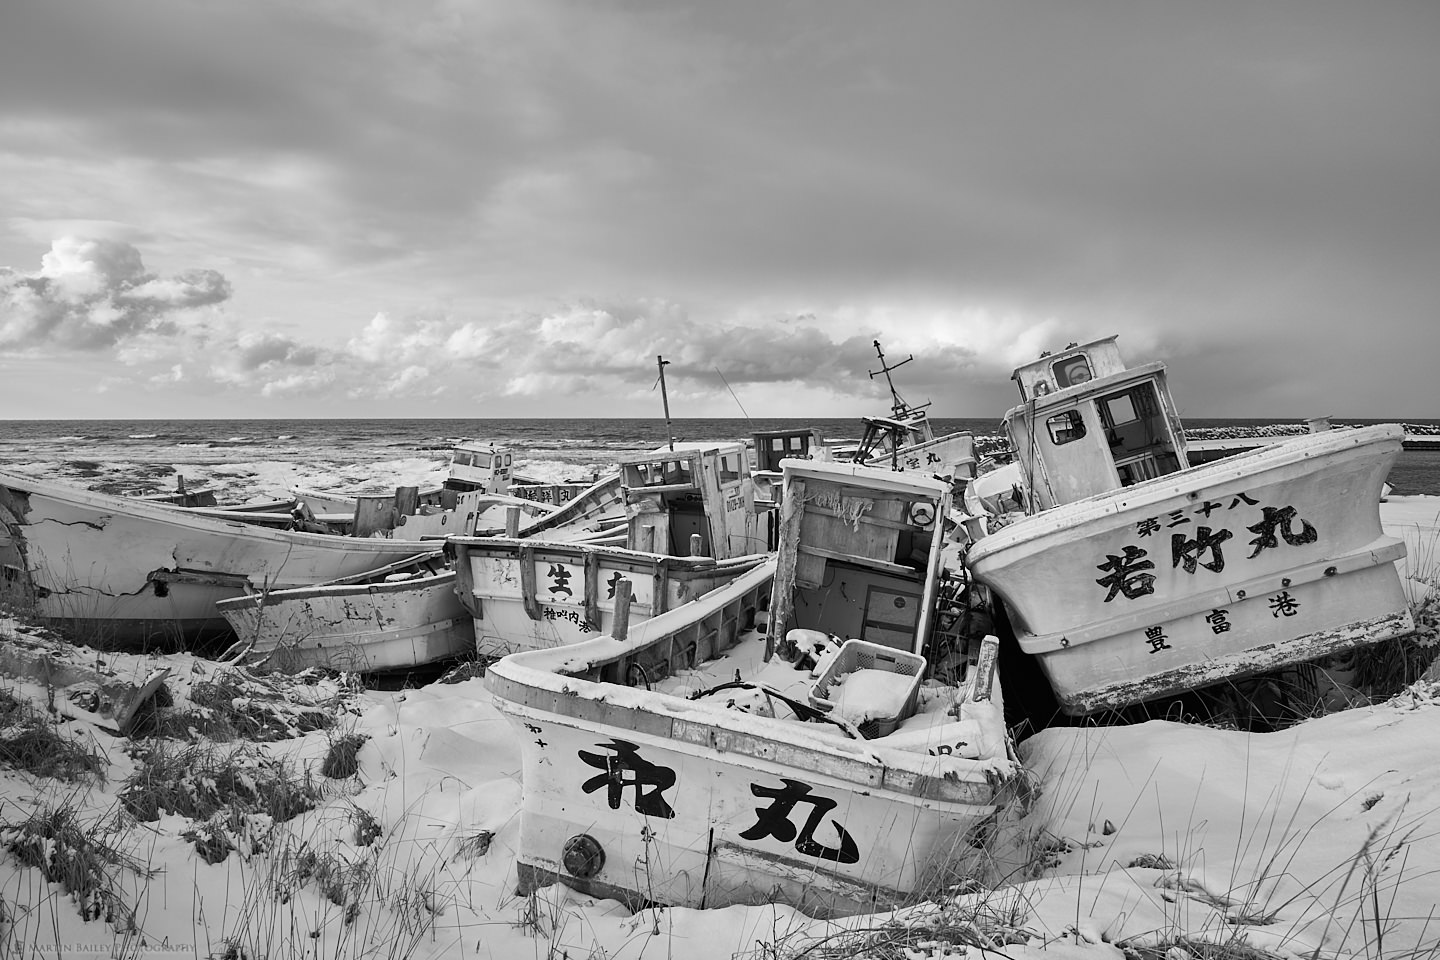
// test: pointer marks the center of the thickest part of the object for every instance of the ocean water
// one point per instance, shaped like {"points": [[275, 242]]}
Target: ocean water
{"points": [[258, 459]]}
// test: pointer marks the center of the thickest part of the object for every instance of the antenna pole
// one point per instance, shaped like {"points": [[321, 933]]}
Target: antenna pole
{"points": [[897, 405], [661, 362]]}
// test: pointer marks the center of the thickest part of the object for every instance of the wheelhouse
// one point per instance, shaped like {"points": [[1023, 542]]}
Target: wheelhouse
{"points": [[690, 490], [1090, 425], [477, 466]]}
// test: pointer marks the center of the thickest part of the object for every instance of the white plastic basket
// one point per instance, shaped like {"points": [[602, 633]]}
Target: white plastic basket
{"points": [[862, 655]]}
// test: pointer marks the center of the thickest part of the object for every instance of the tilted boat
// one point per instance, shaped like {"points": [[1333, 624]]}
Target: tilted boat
{"points": [[681, 764], [906, 440], [1137, 576], [402, 615], [116, 569]]}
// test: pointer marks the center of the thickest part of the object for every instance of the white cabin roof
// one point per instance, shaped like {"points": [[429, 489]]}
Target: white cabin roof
{"points": [[691, 446], [878, 477]]}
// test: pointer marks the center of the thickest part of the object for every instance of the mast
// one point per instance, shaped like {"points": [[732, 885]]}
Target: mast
{"points": [[898, 406], [661, 362]]}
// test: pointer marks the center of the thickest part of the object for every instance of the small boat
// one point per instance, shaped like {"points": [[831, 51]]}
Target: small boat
{"points": [[1132, 575], [399, 616], [406, 614], [678, 522], [477, 495], [121, 570], [678, 762], [906, 440]]}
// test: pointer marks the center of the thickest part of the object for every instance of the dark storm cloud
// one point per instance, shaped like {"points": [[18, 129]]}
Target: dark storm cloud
{"points": [[972, 181]]}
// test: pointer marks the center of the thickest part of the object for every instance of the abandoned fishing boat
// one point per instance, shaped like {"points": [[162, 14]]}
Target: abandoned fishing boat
{"points": [[397, 617], [121, 570], [685, 524], [476, 495], [678, 762], [906, 440], [406, 614], [1136, 576]]}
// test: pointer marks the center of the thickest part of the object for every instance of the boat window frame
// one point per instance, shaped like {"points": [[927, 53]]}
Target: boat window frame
{"points": [[1066, 426], [1065, 369]]}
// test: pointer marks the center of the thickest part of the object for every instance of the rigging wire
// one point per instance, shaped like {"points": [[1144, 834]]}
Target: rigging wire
{"points": [[732, 393]]}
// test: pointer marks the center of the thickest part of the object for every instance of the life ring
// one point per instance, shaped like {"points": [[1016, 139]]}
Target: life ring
{"points": [[922, 514]]}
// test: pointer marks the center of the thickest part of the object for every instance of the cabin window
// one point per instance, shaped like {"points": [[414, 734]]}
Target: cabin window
{"points": [[507, 459], [1138, 436], [729, 467], [1072, 370], [1065, 427], [777, 444], [1121, 409], [462, 459], [495, 462]]}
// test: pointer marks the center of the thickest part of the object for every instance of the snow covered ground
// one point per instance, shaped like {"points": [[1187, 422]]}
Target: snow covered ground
{"points": [[1319, 840]]}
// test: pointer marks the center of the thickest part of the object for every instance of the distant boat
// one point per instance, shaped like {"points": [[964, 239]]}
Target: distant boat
{"points": [[120, 570], [678, 522], [1131, 575]]}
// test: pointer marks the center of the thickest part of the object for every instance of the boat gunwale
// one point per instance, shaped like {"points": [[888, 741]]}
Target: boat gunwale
{"points": [[334, 589], [167, 515], [1137, 497], [503, 546], [551, 684]]}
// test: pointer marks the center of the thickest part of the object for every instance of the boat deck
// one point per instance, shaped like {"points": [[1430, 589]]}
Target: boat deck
{"points": [[741, 680]]}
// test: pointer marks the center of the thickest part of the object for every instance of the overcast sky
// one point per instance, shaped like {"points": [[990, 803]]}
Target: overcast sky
{"points": [[509, 209]]}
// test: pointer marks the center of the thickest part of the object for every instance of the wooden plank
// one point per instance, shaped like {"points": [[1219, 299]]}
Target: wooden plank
{"points": [[527, 582], [661, 601], [792, 513], [885, 565], [878, 521], [592, 587], [407, 501]]}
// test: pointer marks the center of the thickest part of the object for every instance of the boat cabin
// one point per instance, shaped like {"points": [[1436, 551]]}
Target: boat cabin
{"points": [[859, 555], [772, 446], [1089, 424], [480, 466], [692, 490], [882, 438]]}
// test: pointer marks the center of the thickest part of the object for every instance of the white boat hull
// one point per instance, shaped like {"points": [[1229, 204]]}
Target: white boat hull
{"points": [[121, 570], [1228, 569], [692, 804], [359, 628]]}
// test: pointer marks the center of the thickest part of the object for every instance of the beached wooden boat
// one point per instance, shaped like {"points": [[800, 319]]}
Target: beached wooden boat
{"points": [[906, 440], [1138, 576], [682, 764], [397, 617], [116, 569], [678, 522]]}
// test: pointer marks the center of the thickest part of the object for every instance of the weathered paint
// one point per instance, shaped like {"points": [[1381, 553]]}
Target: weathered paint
{"points": [[526, 595], [697, 805], [1238, 566], [356, 627], [132, 570]]}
